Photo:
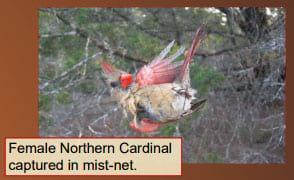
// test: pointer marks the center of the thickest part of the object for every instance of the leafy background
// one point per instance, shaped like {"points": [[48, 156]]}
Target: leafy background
{"points": [[239, 68]]}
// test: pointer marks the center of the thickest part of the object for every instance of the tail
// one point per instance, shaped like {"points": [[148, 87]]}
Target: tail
{"points": [[199, 35]]}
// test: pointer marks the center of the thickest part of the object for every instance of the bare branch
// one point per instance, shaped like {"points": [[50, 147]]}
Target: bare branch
{"points": [[65, 73], [71, 33]]}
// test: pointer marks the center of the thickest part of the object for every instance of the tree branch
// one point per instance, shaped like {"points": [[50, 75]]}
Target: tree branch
{"points": [[65, 73], [138, 26], [71, 33], [217, 53], [82, 33]]}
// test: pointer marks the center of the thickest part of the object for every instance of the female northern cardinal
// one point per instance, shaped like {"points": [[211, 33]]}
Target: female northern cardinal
{"points": [[161, 91]]}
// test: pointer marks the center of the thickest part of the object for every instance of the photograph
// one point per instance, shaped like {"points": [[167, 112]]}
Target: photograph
{"points": [[214, 76]]}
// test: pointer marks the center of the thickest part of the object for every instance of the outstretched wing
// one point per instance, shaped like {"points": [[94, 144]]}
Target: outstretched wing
{"points": [[161, 69]]}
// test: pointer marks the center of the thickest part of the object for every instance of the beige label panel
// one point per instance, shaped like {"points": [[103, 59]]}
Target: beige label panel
{"points": [[93, 156]]}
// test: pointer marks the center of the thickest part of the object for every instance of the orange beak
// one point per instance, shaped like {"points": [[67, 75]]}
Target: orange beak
{"points": [[126, 80]]}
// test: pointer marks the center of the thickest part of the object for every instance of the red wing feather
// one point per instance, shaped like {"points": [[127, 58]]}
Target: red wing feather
{"points": [[160, 70], [163, 72]]}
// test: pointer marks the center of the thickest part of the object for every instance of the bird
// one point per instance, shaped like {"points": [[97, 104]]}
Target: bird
{"points": [[160, 92]]}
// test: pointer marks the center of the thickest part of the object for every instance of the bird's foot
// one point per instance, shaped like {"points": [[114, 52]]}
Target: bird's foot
{"points": [[145, 126]]}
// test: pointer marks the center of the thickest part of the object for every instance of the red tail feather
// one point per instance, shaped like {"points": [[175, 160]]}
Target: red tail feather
{"points": [[195, 44]]}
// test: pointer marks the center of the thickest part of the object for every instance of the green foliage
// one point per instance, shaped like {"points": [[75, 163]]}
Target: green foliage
{"points": [[45, 22], [261, 136], [50, 45], [46, 122], [49, 73], [212, 157], [168, 130], [87, 87], [244, 133], [63, 97], [82, 16], [70, 62], [111, 32], [186, 123], [142, 45], [45, 102], [73, 53], [205, 78]]}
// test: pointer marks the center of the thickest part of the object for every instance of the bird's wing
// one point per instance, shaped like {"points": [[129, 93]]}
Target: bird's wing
{"points": [[160, 70]]}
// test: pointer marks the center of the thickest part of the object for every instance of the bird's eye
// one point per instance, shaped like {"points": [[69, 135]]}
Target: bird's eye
{"points": [[114, 84]]}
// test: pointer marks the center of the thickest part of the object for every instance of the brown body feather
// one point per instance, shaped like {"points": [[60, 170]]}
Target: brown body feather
{"points": [[164, 102]]}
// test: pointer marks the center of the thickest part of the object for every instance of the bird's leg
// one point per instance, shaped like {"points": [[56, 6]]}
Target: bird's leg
{"points": [[125, 113], [133, 111], [123, 103], [145, 125], [129, 94], [124, 98], [135, 88], [135, 120]]}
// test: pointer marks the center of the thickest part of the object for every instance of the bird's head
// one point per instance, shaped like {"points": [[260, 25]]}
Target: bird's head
{"points": [[116, 78]]}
